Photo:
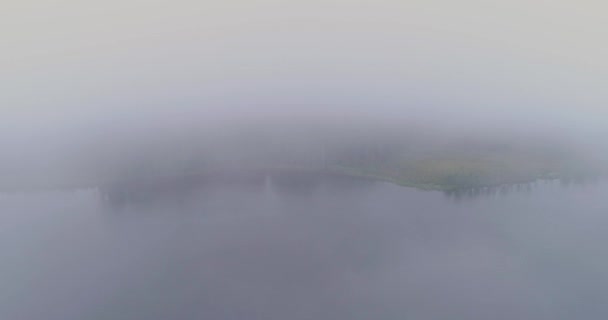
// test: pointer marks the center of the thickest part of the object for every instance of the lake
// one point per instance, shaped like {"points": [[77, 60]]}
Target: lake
{"points": [[305, 248]]}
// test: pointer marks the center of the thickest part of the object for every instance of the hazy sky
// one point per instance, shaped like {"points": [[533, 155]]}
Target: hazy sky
{"points": [[514, 63]]}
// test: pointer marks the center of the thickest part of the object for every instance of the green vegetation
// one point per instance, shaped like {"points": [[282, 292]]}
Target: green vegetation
{"points": [[433, 164], [459, 169]]}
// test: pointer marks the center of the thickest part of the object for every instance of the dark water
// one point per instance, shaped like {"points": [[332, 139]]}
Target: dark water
{"points": [[312, 249]]}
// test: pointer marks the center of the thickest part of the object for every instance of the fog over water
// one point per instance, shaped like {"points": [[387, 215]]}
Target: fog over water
{"points": [[119, 76], [301, 249], [130, 71], [196, 159]]}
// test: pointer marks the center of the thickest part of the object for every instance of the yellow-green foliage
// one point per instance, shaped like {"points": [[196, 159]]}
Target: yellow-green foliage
{"points": [[471, 168]]}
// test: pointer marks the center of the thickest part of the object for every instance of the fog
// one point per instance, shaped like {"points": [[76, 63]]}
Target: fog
{"points": [[331, 249], [77, 76], [194, 159]]}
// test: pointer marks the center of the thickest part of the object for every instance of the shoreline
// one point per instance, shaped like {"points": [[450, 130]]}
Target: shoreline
{"points": [[247, 176]]}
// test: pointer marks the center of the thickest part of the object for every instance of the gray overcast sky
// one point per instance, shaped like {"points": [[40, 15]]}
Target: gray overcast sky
{"points": [[470, 62]]}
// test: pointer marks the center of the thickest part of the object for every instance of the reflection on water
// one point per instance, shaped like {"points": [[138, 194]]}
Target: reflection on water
{"points": [[178, 191], [470, 193], [304, 247], [489, 191]]}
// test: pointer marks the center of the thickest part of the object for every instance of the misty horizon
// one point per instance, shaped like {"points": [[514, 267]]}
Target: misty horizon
{"points": [[303, 159]]}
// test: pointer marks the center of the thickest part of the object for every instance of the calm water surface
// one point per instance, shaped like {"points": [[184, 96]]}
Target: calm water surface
{"points": [[315, 249]]}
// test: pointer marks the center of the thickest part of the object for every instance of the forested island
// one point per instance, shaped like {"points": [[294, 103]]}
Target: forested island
{"points": [[408, 157]]}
